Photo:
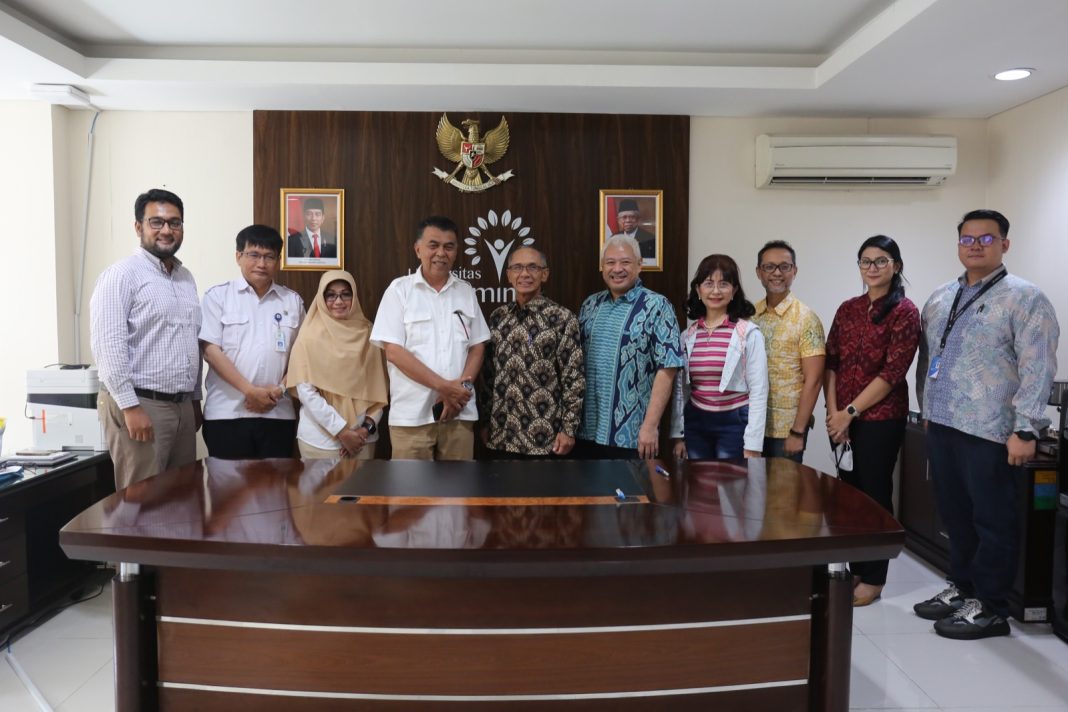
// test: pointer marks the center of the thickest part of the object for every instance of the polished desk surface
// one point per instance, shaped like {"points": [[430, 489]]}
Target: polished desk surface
{"points": [[490, 518]]}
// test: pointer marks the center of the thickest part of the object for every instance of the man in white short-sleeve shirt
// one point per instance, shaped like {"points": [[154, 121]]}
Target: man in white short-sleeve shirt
{"points": [[431, 327], [247, 332]]}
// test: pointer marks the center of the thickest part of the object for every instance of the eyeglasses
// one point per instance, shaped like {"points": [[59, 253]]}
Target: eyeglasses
{"points": [[158, 223], [723, 286], [331, 297], [519, 269], [984, 240], [879, 263], [266, 258], [783, 267]]}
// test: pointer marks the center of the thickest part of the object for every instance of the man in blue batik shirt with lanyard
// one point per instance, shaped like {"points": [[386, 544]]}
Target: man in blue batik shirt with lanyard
{"points": [[988, 357], [631, 339]]}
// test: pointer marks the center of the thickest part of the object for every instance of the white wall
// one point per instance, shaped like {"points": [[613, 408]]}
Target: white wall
{"points": [[1028, 182], [28, 279], [206, 158], [729, 215]]}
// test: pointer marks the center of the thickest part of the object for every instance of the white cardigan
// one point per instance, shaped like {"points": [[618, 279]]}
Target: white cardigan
{"points": [[746, 347]]}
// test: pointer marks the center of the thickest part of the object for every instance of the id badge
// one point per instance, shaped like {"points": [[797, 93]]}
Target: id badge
{"points": [[279, 335], [936, 363]]}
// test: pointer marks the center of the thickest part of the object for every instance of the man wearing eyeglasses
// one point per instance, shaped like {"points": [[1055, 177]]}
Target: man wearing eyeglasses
{"points": [[987, 360], [793, 335], [246, 336], [144, 318], [532, 381], [431, 327]]}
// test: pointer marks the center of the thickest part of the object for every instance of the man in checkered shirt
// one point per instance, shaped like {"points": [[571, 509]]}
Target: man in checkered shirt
{"points": [[144, 321]]}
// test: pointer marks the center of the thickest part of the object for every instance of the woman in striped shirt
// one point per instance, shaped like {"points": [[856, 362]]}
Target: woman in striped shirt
{"points": [[721, 396]]}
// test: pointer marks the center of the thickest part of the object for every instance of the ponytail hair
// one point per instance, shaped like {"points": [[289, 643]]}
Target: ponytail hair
{"points": [[897, 283]]}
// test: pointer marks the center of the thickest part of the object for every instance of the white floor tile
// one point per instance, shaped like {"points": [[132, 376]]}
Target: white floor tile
{"points": [[909, 567], [875, 682], [88, 619], [1008, 673], [13, 694], [96, 695], [59, 666], [893, 612]]}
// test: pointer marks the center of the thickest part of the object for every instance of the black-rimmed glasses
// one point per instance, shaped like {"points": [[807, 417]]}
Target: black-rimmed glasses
{"points": [[984, 240], [158, 223], [783, 267]]}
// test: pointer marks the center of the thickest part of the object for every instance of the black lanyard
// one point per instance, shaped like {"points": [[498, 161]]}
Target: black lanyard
{"points": [[954, 314]]}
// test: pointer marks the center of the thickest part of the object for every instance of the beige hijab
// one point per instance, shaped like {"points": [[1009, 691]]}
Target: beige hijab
{"points": [[336, 356]]}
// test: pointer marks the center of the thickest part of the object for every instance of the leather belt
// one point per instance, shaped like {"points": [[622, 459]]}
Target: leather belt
{"points": [[169, 397]]}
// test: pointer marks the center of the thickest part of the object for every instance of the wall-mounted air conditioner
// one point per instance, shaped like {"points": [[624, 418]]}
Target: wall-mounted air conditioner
{"points": [[855, 161]]}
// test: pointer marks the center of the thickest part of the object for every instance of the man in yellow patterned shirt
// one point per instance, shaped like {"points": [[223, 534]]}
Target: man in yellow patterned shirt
{"points": [[793, 335]]}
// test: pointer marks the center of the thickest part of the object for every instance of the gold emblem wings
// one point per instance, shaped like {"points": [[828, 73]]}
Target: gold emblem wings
{"points": [[450, 138]]}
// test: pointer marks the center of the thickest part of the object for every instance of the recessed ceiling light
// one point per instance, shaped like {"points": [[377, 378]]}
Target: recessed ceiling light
{"points": [[1011, 75]]}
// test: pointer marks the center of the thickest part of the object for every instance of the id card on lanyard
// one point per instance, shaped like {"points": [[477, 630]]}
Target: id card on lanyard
{"points": [[279, 334], [954, 314]]}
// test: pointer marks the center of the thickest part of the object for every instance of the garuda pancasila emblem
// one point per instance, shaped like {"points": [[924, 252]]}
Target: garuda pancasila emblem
{"points": [[472, 154]]}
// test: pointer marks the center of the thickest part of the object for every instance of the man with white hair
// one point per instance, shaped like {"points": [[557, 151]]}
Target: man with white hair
{"points": [[631, 340]]}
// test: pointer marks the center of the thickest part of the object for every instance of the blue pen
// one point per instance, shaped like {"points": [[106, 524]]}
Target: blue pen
{"points": [[661, 471], [619, 495]]}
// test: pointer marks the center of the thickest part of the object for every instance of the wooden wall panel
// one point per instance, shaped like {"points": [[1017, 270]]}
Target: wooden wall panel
{"points": [[384, 161]]}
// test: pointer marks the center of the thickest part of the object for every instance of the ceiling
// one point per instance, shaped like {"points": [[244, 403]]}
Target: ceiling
{"points": [[905, 58]]}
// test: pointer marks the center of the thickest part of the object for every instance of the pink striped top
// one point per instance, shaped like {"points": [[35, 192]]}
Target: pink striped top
{"points": [[706, 368]]}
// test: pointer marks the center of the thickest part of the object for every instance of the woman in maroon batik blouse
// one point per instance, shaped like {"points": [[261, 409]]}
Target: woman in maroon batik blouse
{"points": [[869, 350]]}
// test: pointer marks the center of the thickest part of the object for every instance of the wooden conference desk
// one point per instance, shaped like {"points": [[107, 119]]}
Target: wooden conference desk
{"points": [[282, 585]]}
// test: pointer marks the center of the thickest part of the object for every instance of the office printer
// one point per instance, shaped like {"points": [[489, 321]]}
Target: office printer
{"points": [[62, 404]]}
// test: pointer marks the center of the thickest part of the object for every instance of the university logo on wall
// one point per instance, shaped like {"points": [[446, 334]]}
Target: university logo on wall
{"points": [[494, 236], [472, 154]]}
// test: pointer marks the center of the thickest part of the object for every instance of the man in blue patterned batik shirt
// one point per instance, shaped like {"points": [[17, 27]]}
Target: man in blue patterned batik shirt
{"points": [[631, 339], [988, 357]]}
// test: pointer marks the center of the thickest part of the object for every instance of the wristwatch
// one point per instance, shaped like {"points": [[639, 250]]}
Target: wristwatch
{"points": [[369, 423], [1026, 435], [852, 410], [467, 385]]}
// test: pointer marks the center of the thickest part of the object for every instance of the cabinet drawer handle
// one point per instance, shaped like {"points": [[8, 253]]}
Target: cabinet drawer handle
{"points": [[4, 519], [4, 563], [5, 607]]}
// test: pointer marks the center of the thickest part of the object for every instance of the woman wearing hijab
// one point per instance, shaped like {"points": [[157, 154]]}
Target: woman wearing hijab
{"points": [[339, 378]]}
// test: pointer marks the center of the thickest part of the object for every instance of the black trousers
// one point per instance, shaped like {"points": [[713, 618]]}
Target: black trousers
{"points": [[976, 491], [250, 438], [876, 444]]}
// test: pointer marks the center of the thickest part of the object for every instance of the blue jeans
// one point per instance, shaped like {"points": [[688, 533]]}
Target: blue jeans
{"points": [[719, 436]]}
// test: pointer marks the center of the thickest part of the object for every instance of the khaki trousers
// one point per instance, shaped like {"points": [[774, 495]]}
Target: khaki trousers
{"points": [[174, 441], [452, 440], [310, 452]]}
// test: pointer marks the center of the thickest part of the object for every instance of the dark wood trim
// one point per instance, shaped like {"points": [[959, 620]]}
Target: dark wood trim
{"points": [[484, 664], [779, 699], [135, 645], [832, 641], [455, 603]]}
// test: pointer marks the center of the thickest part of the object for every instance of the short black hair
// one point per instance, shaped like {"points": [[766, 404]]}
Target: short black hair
{"points": [[1001, 220], [263, 236], [777, 245], [156, 195], [440, 222]]}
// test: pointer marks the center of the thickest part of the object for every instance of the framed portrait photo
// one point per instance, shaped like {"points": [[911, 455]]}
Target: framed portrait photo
{"points": [[638, 213], [313, 228]]}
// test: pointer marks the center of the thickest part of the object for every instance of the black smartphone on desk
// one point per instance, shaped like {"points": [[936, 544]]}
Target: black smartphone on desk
{"points": [[437, 410]]}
